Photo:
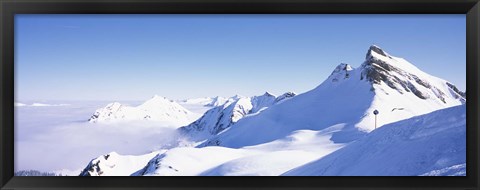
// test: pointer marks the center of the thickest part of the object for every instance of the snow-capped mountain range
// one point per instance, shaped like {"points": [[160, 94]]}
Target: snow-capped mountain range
{"points": [[221, 117], [391, 85], [420, 116], [210, 101]]}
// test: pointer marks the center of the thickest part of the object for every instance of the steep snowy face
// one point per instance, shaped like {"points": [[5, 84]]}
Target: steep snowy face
{"points": [[163, 108], [391, 85], [402, 90], [215, 120], [263, 101], [403, 77], [156, 109], [221, 117]]}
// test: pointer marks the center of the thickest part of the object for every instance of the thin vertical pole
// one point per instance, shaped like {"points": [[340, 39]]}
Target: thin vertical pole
{"points": [[375, 121]]}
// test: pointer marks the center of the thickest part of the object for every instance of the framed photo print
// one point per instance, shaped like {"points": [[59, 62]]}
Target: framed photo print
{"points": [[205, 94]]}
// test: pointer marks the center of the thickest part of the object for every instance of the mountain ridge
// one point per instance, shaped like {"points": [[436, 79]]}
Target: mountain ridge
{"points": [[222, 117], [349, 95]]}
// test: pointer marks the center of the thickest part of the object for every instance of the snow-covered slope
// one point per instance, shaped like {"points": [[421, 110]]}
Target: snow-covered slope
{"points": [[430, 144], [156, 109], [270, 159], [188, 161], [393, 86], [221, 117]]}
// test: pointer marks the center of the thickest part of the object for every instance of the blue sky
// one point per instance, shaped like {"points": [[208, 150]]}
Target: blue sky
{"points": [[132, 57]]}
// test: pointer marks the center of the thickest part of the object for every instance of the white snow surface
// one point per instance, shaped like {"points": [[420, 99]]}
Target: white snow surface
{"points": [[430, 144], [272, 158], [455, 170], [158, 109]]}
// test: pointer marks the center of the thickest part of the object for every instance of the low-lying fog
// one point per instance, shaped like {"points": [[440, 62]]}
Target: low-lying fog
{"points": [[58, 137]]}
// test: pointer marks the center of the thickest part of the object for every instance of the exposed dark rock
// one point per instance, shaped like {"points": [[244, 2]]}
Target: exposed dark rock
{"points": [[92, 167], [268, 94], [455, 89], [417, 92], [422, 82], [285, 96], [377, 71], [93, 118], [440, 95], [375, 49]]}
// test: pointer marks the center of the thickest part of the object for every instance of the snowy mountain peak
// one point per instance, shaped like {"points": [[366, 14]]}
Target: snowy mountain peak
{"points": [[342, 71], [380, 59], [108, 110], [268, 94], [159, 98], [398, 74], [114, 105], [394, 77], [157, 101], [157, 108], [377, 51]]}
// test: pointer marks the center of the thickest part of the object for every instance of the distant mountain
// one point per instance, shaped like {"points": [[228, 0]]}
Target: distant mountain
{"points": [[391, 85], [210, 101], [221, 117], [156, 109]]}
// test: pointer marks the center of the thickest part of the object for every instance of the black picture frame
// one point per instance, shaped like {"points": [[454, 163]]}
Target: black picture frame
{"points": [[8, 9]]}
